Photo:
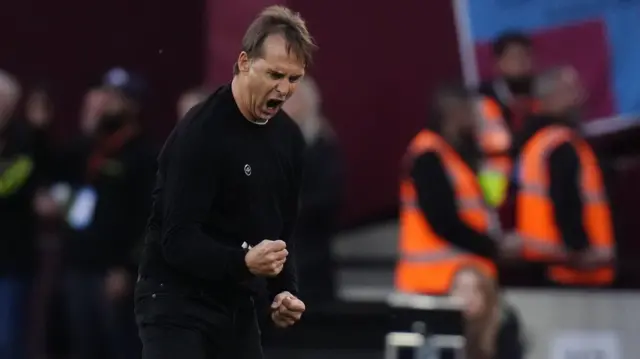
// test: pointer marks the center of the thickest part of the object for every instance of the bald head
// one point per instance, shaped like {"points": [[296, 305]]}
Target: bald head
{"points": [[559, 89], [305, 102], [304, 107], [189, 99], [9, 95]]}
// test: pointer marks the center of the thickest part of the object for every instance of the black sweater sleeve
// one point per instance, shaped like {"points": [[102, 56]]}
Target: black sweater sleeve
{"points": [[190, 186], [438, 203], [564, 167]]}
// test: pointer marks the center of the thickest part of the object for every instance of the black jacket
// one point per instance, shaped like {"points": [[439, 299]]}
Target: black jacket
{"points": [[123, 190], [23, 167], [222, 182]]}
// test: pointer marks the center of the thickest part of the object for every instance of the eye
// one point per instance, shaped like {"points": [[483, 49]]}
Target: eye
{"points": [[276, 75], [294, 79]]}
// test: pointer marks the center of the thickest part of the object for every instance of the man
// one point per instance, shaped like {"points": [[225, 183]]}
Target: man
{"points": [[189, 99], [22, 170], [225, 206], [445, 223], [503, 106], [111, 187], [18, 220], [563, 215], [512, 89], [320, 196]]}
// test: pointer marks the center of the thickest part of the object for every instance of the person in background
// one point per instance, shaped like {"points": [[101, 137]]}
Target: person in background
{"points": [[21, 173], [321, 193], [563, 215], [93, 106], [444, 220], [39, 114], [190, 98], [504, 103], [493, 329], [105, 220], [512, 88]]}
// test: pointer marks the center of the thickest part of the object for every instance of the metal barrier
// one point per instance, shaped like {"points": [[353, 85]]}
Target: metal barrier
{"points": [[424, 327]]}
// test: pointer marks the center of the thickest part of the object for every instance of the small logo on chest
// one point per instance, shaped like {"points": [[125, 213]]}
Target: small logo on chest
{"points": [[247, 170]]}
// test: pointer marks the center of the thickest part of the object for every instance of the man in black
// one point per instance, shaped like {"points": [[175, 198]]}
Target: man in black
{"points": [[562, 95], [110, 176], [512, 89], [225, 207], [452, 118]]}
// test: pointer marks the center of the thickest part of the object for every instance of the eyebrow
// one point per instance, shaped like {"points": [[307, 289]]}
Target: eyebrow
{"points": [[282, 73]]}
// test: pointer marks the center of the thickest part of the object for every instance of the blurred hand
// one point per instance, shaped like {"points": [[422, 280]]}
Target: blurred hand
{"points": [[286, 310], [267, 258], [511, 246], [116, 283], [591, 259], [95, 104], [44, 205]]}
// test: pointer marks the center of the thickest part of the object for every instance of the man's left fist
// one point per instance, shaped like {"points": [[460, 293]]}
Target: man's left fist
{"points": [[286, 309]]}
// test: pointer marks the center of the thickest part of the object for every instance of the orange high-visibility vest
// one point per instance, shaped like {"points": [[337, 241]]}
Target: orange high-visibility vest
{"points": [[535, 221], [429, 263], [494, 137]]}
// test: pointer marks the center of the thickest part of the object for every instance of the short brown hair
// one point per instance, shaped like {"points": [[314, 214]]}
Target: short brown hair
{"points": [[278, 20]]}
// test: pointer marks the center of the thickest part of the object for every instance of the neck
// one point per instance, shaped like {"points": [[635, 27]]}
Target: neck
{"points": [[240, 101]]}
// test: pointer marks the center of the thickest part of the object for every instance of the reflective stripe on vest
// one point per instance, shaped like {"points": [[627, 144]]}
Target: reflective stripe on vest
{"points": [[495, 139], [493, 133], [587, 196], [553, 250], [434, 256], [428, 263], [535, 215]]}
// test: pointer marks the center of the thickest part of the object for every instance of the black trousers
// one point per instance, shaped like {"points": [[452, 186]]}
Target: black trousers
{"points": [[185, 324]]}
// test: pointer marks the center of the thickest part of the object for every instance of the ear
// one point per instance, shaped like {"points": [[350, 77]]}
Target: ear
{"points": [[243, 62]]}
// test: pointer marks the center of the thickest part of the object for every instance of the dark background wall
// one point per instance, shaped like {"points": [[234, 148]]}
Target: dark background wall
{"points": [[71, 43], [376, 65]]}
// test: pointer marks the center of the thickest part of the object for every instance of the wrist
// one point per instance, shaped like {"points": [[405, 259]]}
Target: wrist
{"points": [[240, 267]]}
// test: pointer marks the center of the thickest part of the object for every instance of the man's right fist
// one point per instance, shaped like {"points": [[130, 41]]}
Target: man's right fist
{"points": [[267, 258]]}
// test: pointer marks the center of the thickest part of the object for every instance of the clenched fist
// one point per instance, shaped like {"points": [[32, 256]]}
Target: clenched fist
{"points": [[267, 258], [286, 310]]}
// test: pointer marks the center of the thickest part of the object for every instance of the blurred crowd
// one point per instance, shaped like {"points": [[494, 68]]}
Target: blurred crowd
{"points": [[500, 177]]}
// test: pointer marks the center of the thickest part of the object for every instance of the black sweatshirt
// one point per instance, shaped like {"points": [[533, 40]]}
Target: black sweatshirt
{"points": [[223, 181], [438, 203], [564, 190], [23, 168], [122, 188]]}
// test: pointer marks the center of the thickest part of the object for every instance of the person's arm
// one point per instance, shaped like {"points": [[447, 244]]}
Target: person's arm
{"points": [[287, 279], [191, 184], [510, 343], [438, 203], [564, 167]]}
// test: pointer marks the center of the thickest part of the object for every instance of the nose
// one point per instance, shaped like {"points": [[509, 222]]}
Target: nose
{"points": [[283, 87]]}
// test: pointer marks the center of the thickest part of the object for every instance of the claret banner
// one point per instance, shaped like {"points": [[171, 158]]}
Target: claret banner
{"points": [[600, 38]]}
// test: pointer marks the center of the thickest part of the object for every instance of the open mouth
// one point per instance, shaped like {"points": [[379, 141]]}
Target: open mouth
{"points": [[274, 104]]}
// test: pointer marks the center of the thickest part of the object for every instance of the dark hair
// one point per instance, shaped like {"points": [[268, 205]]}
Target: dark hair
{"points": [[278, 20], [443, 92], [507, 39]]}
